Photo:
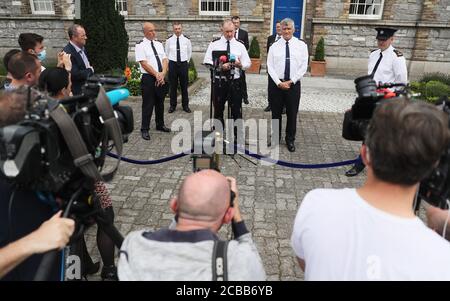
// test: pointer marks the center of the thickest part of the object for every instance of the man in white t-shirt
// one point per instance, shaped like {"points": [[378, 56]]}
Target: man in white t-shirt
{"points": [[371, 233]]}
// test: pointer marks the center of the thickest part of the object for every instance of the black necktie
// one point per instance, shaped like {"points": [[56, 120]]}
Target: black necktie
{"points": [[287, 67], [376, 66], [228, 48], [157, 58], [178, 50]]}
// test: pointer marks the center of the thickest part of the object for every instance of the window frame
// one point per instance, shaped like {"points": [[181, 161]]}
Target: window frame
{"points": [[120, 9], [42, 12], [214, 12], [366, 17]]}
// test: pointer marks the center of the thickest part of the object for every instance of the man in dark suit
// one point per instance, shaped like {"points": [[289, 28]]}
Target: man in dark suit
{"points": [[270, 40], [81, 68], [241, 35]]}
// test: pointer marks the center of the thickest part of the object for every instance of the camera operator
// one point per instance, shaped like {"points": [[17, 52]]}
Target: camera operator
{"points": [[56, 81], [185, 253], [371, 233], [228, 85], [25, 69], [7, 82], [21, 211], [52, 234], [386, 65]]}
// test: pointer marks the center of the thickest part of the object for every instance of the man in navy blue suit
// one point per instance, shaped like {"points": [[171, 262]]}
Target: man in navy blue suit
{"points": [[81, 68]]}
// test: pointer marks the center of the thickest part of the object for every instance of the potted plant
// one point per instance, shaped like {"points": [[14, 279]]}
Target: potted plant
{"points": [[255, 55], [318, 64]]}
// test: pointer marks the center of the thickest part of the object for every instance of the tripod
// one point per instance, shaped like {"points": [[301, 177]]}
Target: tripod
{"points": [[84, 208]]}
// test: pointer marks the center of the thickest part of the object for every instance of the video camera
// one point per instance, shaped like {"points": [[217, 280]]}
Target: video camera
{"points": [[435, 189], [60, 143], [357, 119]]}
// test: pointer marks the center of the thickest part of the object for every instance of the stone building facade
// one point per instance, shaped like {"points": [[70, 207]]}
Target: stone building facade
{"points": [[423, 36]]}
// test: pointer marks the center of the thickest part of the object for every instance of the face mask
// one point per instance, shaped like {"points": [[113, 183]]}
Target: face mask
{"points": [[42, 55]]}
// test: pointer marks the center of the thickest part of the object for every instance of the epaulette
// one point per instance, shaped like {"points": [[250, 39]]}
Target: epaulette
{"points": [[139, 42], [373, 50], [169, 36], [186, 37], [241, 41], [215, 40], [398, 53], [302, 40]]}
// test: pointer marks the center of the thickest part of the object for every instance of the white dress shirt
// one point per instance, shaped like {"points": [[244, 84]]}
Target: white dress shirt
{"points": [[144, 52], [236, 48], [276, 58], [185, 48], [392, 67]]}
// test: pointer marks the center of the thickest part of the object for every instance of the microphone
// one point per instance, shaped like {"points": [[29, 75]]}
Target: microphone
{"points": [[232, 60], [115, 96]]}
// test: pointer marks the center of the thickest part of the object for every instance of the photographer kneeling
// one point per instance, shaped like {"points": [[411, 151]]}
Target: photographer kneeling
{"points": [[185, 253], [371, 233]]}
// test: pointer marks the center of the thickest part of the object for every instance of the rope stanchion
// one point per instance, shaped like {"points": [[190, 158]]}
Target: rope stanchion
{"points": [[247, 152]]}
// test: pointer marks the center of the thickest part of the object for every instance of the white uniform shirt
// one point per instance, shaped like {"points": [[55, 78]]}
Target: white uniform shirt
{"points": [[342, 237], [185, 48], [392, 67], [144, 52], [236, 48], [276, 58]]}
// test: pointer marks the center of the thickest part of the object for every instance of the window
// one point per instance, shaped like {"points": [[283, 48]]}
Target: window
{"points": [[215, 7], [122, 8], [42, 7], [366, 9]]}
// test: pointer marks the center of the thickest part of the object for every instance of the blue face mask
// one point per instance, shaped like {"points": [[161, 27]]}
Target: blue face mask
{"points": [[42, 55]]}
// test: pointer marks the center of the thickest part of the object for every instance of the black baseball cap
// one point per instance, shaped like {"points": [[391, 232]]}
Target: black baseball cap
{"points": [[384, 33]]}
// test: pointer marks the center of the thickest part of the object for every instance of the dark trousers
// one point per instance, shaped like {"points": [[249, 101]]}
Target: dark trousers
{"points": [[179, 72], [289, 98], [269, 79], [244, 85], [152, 96], [227, 91]]}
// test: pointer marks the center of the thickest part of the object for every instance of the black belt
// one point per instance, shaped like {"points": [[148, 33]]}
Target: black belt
{"points": [[175, 62]]}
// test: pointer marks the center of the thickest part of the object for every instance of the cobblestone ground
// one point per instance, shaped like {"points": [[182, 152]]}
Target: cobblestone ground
{"points": [[270, 196]]}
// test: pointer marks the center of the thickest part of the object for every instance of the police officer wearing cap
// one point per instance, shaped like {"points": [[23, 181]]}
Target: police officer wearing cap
{"points": [[179, 51], [386, 65], [228, 85], [152, 58], [287, 62]]}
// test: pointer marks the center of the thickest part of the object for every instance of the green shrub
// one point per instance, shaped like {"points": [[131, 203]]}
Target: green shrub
{"points": [[193, 70], [437, 76], [107, 45], [436, 89], [134, 85], [319, 55], [254, 52]]}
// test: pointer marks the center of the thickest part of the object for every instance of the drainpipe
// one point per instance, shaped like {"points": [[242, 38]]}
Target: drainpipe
{"points": [[413, 53]]}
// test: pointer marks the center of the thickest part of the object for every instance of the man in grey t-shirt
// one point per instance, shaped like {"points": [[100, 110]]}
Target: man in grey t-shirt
{"points": [[185, 253]]}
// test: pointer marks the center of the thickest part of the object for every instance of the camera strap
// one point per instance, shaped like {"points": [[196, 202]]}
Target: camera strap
{"points": [[219, 261], [112, 126], [82, 158]]}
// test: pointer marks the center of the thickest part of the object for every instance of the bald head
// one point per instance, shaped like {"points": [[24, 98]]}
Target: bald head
{"points": [[204, 196], [228, 29], [149, 30]]}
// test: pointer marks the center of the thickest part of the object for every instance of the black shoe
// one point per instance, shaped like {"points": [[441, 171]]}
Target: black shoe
{"points": [[163, 129], [355, 170], [290, 146], [246, 101], [92, 269], [284, 111], [109, 273], [187, 110], [145, 135], [267, 109], [172, 109]]}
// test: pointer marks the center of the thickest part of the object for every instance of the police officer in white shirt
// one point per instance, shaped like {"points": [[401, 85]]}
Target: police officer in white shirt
{"points": [[154, 65], [228, 85], [179, 51], [287, 62], [386, 65]]}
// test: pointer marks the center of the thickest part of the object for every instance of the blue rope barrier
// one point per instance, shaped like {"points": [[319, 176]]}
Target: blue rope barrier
{"points": [[247, 152]]}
